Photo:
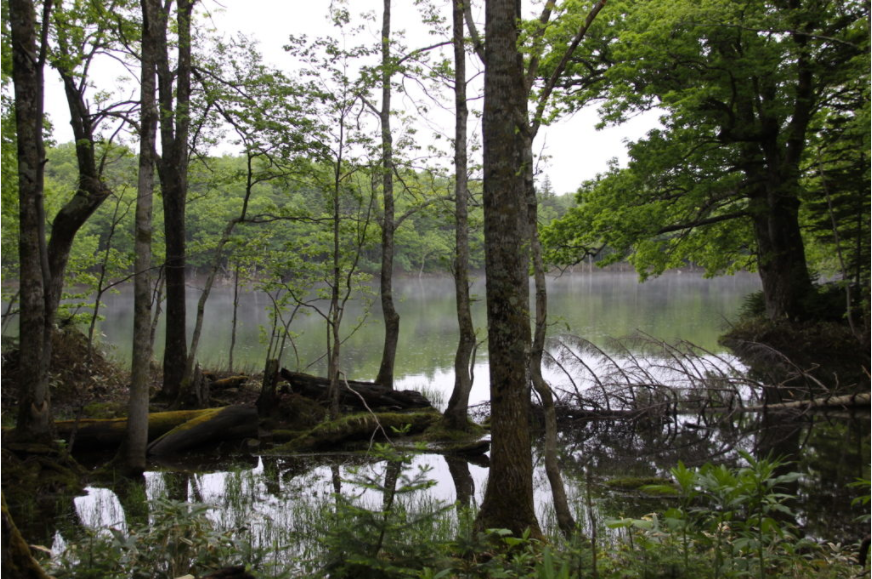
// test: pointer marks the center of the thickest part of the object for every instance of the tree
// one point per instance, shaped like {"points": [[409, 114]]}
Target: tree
{"points": [[136, 437], [389, 312], [174, 101], [458, 405], [508, 501], [35, 325], [721, 184], [73, 57]]}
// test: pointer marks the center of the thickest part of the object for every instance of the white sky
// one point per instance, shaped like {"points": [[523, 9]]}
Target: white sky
{"points": [[574, 150]]}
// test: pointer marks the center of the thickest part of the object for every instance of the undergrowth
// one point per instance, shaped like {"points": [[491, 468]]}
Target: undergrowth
{"points": [[725, 523]]}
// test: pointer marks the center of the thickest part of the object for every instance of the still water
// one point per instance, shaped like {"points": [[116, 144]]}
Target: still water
{"points": [[595, 306], [278, 498]]}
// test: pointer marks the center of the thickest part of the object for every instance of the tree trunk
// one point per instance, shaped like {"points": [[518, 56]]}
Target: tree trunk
{"points": [[266, 402], [565, 520], [781, 261], [508, 501], [458, 404], [35, 323], [136, 440], [173, 171], [234, 323], [392, 318], [90, 194]]}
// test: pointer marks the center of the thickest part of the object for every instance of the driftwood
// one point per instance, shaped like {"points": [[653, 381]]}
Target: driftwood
{"points": [[217, 425], [353, 393], [845, 401]]}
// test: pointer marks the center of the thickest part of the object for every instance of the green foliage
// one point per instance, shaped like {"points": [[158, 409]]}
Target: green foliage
{"points": [[728, 523], [394, 540], [726, 76], [179, 539]]}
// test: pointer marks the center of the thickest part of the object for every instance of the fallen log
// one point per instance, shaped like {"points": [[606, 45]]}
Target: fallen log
{"points": [[353, 393], [218, 425], [363, 426], [102, 433], [844, 401]]}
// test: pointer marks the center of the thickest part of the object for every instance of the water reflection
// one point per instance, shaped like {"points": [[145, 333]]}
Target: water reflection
{"points": [[275, 500]]}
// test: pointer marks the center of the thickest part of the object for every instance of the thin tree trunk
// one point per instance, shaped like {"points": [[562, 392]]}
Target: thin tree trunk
{"points": [[98, 299], [458, 405], [508, 501], [136, 437], [565, 520], [184, 390], [157, 300], [35, 323], [391, 317], [234, 322], [334, 342]]}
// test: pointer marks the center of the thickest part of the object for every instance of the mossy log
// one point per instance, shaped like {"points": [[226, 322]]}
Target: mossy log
{"points": [[102, 433], [216, 425], [353, 393], [354, 427]]}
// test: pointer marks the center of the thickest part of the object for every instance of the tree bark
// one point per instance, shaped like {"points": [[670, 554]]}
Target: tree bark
{"points": [[391, 317], [136, 440], [173, 172], [508, 501], [35, 322], [90, 194], [458, 405], [781, 261]]}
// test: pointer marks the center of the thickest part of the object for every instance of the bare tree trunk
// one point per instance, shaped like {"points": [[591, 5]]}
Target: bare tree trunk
{"points": [[35, 323], [136, 437], [173, 171], [233, 324], [458, 404], [392, 318], [157, 300], [508, 501], [184, 389]]}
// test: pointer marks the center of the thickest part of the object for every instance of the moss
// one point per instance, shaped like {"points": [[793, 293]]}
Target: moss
{"points": [[105, 410], [300, 413], [360, 426], [440, 432]]}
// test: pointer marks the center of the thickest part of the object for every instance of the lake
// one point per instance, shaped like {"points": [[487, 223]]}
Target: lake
{"points": [[277, 499], [596, 306]]}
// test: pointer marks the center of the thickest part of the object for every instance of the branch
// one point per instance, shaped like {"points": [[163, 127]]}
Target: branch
{"points": [[701, 222], [477, 44], [561, 67]]}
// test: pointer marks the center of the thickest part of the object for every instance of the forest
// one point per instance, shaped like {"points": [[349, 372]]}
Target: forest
{"points": [[373, 156]]}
